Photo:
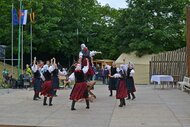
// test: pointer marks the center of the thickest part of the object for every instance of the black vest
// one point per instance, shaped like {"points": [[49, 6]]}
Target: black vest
{"points": [[79, 76], [37, 74], [113, 70], [55, 73], [47, 75]]}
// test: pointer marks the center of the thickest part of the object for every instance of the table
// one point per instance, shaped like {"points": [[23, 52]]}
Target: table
{"points": [[161, 78]]}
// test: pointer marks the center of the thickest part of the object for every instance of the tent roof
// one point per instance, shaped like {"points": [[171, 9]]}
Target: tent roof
{"points": [[103, 60], [133, 58]]}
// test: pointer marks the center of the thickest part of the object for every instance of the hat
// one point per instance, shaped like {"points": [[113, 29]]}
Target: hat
{"points": [[82, 46]]}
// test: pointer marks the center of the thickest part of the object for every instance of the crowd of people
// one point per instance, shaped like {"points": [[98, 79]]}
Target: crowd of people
{"points": [[45, 78]]}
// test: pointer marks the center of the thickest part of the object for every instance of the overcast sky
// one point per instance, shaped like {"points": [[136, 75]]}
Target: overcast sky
{"points": [[114, 3]]}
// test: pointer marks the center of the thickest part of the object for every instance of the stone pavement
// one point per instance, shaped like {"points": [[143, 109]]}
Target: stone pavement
{"points": [[153, 107]]}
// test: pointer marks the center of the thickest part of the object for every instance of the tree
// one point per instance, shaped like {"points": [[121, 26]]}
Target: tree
{"points": [[151, 26]]}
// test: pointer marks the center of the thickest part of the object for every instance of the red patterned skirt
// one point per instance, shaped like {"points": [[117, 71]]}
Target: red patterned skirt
{"points": [[121, 90], [79, 91], [47, 89]]}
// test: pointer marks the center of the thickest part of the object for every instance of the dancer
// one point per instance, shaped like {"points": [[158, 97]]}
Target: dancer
{"points": [[85, 55], [37, 80], [121, 92], [112, 80], [80, 89], [47, 89], [130, 81], [55, 76]]}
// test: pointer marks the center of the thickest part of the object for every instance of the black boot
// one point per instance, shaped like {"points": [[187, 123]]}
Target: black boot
{"points": [[55, 95], [111, 93], [35, 97], [87, 104], [45, 99], [133, 96], [121, 103], [129, 97], [38, 96], [73, 105], [50, 101], [124, 102]]}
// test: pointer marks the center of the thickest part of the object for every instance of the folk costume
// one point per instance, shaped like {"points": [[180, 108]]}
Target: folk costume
{"points": [[47, 88], [112, 81], [121, 92], [85, 55], [79, 90], [130, 82], [55, 77], [37, 80]]}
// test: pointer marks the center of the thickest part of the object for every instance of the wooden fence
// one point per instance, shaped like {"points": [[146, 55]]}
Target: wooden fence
{"points": [[170, 63]]}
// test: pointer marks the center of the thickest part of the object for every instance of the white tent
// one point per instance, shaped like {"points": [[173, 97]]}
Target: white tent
{"points": [[141, 65]]}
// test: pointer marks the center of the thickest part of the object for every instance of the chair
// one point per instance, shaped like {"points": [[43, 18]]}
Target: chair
{"points": [[181, 84]]}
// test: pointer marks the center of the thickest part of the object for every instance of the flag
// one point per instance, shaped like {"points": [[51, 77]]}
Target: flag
{"points": [[32, 17], [23, 17], [15, 17]]}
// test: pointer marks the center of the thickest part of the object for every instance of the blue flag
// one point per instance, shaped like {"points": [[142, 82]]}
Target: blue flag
{"points": [[23, 17], [15, 17]]}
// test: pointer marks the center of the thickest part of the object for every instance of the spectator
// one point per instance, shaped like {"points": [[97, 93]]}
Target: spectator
{"points": [[105, 73], [59, 66], [28, 70], [6, 75]]}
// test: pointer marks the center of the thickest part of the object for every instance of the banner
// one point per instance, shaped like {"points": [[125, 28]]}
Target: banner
{"points": [[15, 17], [23, 17]]}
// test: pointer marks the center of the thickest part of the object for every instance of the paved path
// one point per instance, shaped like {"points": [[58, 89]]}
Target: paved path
{"points": [[152, 108]]}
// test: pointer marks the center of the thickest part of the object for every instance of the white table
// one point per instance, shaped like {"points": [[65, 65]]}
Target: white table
{"points": [[161, 78]]}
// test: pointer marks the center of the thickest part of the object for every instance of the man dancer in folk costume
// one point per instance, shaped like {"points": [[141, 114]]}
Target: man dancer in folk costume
{"points": [[47, 89], [37, 80], [121, 92], [80, 90], [130, 81], [112, 80]]}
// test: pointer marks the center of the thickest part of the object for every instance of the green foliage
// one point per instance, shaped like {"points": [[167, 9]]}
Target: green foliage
{"points": [[151, 26], [145, 26]]}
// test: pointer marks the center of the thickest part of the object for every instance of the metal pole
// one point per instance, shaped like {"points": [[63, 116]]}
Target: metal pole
{"points": [[22, 51], [31, 40], [19, 39], [12, 40], [77, 36]]}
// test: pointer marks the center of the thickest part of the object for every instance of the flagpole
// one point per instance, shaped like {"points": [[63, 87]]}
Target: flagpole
{"points": [[31, 40], [12, 36], [77, 35], [22, 50], [19, 39]]}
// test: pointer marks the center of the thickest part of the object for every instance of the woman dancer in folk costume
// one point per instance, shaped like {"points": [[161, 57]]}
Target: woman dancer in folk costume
{"points": [[112, 80], [121, 92], [80, 89], [37, 80], [130, 81], [85, 54], [55, 76], [47, 89]]}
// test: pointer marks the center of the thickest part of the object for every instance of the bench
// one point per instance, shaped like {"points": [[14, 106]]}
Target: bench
{"points": [[184, 84]]}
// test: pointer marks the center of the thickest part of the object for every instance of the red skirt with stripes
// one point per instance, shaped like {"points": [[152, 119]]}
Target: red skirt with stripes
{"points": [[79, 91], [47, 89], [121, 90]]}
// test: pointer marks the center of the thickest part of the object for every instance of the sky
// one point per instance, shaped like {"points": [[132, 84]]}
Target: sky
{"points": [[113, 3]]}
